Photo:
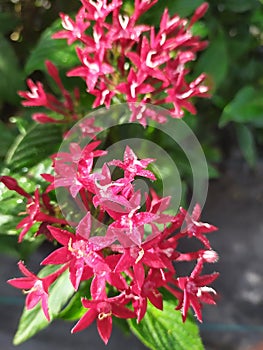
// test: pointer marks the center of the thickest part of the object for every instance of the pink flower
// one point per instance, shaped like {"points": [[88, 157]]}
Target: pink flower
{"points": [[77, 250], [99, 10], [102, 310], [195, 228], [195, 291], [134, 87], [132, 166], [35, 214], [74, 169], [36, 96], [35, 287], [74, 30], [91, 70]]}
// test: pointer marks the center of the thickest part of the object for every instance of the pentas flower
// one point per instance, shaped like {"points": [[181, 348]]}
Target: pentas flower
{"points": [[128, 228], [195, 291], [77, 251], [74, 30], [102, 311], [73, 169], [134, 62], [38, 97], [38, 209], [137, 256], [91, 70], [100, 9], [148, 291], [132, 166], [36, 288], [195, 228]]}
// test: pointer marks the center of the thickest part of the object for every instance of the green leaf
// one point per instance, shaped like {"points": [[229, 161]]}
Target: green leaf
{"points": [[165, 329], [11, 76], [8, 21], [55, 50], [32, 321], [74, 310], [241, 5], [37, 144], [246, 144], [184, 8], [214, 60], [246, 107], [7, 134]]}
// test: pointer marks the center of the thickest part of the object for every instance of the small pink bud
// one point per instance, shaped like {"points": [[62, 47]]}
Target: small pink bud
{"points": [[42, 118], [12, 185], [199, 13]]}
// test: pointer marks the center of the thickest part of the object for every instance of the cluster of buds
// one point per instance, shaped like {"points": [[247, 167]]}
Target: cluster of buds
{"points": [[136, 256], [125, 61]]}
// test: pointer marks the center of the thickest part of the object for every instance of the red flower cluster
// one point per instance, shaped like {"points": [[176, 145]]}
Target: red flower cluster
{"points": [[135, 258], [123, 61], [63, 111]]}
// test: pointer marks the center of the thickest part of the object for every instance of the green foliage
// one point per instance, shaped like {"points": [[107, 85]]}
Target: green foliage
{"points": [[246, 107], [39, 142], [247, 144], [11, 76], [57, 51], [8, 21], [206, 63], [32, 321], [165, 329]]}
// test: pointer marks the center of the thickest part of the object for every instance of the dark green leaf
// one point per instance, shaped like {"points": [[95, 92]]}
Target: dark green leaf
{"points": [[246, 107], [246, 144], [55, 50], [7, 134], [32, 321], [241, 5], [214, 60], [8, 21], [37, 144], [11, 77], [184, 8], [165, 329]]}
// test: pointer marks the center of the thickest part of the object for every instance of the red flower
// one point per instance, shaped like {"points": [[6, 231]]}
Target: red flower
{"points": [[102, 310], [35, 287], [74, 30], [134, 87], [35, 214], [195, 291], [195, 228], [91, 69], [77, 250], [132, 166]]}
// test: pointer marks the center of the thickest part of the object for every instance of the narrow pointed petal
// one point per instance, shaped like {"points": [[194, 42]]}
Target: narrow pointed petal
{"points": [[62, 236], [104, 326], [85, 321], [59, 256]]}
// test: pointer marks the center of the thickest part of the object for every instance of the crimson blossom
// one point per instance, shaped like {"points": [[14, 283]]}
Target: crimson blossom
{"points": [[122, 60], [124, 251]]}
